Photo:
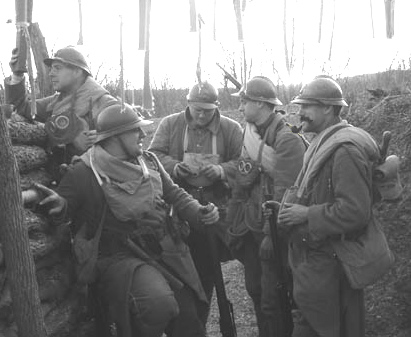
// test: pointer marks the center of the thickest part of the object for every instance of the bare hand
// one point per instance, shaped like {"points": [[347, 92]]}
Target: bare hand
{"points": [[212, 172], [14, 63], [292, 214], [182, 170], [85, 140], [56, 202], [270, 207], [208, 214]]}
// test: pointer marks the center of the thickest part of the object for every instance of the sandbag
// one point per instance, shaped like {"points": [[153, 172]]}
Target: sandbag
{"points": [[27, 133], [29, 157]]}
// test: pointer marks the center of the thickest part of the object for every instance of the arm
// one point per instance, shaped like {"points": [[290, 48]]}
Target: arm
{"points": [[350, 208], [234, 141], [161, 144], [16, 94]]}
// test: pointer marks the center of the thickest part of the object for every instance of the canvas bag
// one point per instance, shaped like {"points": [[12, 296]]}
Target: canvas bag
{"points": [[86, 251], [367, 258]]}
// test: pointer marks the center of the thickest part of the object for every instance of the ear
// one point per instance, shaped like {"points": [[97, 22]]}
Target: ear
{"points": [[328, 110]]}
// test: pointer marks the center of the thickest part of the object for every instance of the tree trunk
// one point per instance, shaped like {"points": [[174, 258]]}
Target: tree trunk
{"points": [[321, 20], [372, 20], [14, 236], [80, 18], [287, 59], [39, 48], [332, 35]]}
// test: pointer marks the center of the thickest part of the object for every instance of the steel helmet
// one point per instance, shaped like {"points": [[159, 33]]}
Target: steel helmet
{"points": [[114, 120], [259, 88], [203, 95], [69, 55], [322, 90]]}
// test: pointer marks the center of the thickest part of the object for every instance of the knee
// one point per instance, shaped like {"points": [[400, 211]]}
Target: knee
{"points": [[155, 310]]}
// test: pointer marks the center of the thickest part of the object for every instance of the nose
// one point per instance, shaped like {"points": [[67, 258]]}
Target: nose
{"points": [[142, 134]]}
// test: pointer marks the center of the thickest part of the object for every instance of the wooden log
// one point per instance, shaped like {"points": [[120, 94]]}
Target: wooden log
{"points": [[29, 157], [35, 222], [35, 176], [27, 133]]}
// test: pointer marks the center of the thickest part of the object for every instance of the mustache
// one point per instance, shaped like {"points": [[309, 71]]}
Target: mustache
{"points": [[305, 119]]}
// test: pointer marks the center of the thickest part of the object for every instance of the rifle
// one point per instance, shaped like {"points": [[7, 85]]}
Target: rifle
{"points": [[225, 307], [230, 77], [284, 323], [174, 282]]}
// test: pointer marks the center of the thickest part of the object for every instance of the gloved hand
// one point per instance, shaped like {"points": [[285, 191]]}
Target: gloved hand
{"points": [[84, 140], [14, 64], [208, 214], [211, 171], [267, 248], [182, 170]]}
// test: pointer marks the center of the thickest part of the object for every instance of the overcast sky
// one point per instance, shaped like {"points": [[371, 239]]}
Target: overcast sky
{"points": [[174, 50]]}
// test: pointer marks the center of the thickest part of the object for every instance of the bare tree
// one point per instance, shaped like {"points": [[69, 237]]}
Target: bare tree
{"points": [[14, 237], [372, 19], [287, 60], [80, 17], [321, 20], [332, 34]]}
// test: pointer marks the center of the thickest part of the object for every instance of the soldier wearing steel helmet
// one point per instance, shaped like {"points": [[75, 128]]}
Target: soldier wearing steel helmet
{"points": [[270, 160], [330, 203], [124, 192], [199, 148], [70, 114]]}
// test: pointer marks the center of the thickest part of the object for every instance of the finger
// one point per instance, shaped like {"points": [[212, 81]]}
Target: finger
{"points": [[43, 189]]}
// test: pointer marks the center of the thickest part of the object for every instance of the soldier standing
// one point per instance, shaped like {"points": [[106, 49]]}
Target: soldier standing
{"points": [[199, 148], [270, 161]]}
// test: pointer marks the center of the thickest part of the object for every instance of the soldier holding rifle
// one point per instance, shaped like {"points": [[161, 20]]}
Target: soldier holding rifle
{"points": [[120, 194], [270, 161]]}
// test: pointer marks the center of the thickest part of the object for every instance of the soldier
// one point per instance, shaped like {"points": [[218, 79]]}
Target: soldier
{"points": [[270, 161], [70, 114], [332, 205], [121, 193], [199, 148]]}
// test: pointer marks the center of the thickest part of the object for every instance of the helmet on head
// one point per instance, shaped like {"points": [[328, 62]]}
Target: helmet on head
{"points": [[322, 90], [114, 120], [203, 95], [69, 55], [259, 88]]}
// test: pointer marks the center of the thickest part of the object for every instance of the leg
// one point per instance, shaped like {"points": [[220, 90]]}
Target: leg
{"points": [[199, 253], [187, 323], [152, 302], [253, 273], [352, 310]]}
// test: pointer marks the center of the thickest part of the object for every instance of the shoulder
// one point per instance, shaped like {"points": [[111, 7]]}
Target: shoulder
{"points": [[152, 160], [229, 122]]}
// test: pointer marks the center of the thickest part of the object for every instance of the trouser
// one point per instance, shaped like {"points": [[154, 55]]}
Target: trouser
{"points": [[261, 280], [324, 296], [199, 250], [138, 301]]}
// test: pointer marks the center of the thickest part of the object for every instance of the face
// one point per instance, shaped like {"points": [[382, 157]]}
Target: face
{"points": [[201, 117], [250, 109], [313, 117], [63, 77], [131, 143]]}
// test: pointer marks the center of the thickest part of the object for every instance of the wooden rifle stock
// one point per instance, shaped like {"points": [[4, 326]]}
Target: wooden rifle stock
{"points": [[175, 283], [225, 307]]}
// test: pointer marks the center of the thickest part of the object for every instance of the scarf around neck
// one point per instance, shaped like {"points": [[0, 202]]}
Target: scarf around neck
{"points": [[320, 150]]}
